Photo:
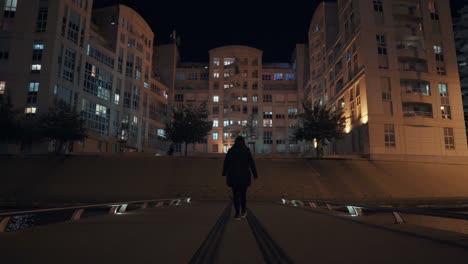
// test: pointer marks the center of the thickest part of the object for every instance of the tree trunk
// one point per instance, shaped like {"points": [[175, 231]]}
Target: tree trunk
{"points": [[186, 149]]}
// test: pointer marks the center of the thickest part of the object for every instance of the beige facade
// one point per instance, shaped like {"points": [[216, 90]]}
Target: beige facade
{"points": [[244, 97], [99, 61], [392, 69]]}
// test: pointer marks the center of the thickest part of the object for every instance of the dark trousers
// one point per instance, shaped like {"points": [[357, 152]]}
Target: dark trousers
{"points": [[239, 198]]}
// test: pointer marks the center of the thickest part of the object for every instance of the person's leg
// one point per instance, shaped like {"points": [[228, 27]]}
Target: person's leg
{"points": [[243, 199], [236, 199]]}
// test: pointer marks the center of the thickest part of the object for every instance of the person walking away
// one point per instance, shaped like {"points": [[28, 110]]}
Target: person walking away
{"points": [[238, 169]]}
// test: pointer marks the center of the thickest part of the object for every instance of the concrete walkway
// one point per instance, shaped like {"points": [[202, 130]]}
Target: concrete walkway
{"points": [[173, 235]]}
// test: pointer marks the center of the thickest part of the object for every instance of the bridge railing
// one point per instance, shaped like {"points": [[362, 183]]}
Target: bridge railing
{"points": [[356, 209], [75, 213]]}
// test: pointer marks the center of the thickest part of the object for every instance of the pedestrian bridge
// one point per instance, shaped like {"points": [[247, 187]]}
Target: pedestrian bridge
{"points": [[182, 230]]}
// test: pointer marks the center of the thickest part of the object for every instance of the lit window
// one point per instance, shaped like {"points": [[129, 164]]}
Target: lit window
{"points": [[226, 123], [290, 76], [10, 8], [2, 87], [36, 67], [226, 136], [161, 133], [216, 75], [34, 87], [278, 77], [216, 61], [215, 123], [30, 110], [216, 99], [255, 98], [229, 61], [215, 135]]}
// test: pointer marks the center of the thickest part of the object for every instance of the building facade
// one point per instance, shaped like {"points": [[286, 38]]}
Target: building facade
{"points": [[461, 40], [244, 96], [392, 69], [98, 61]]}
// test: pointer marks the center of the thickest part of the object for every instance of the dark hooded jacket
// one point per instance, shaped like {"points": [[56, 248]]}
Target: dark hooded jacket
{"points": [[239, 166]]}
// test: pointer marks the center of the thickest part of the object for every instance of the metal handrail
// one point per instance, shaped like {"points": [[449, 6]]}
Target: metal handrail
{"points": [[115, 208], [424, 212], [16, 213]]}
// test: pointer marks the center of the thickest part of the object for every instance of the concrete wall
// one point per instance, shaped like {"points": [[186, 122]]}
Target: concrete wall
{"points": [[111, 178]]}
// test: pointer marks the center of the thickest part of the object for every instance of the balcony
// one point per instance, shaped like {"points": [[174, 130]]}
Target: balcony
{"points": [[406, 10], [418, 110], [411, 52], [415, 87], [412, 64]]}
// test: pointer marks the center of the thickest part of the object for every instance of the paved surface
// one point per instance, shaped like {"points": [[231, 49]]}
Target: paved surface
{"points": [[174, 234]]}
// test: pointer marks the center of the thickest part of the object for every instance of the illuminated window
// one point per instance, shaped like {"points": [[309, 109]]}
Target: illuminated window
{"points": [[162, 133], [216, 62], [36, 67], [433, 10], [439, 53], [10, 8], [215, 135], [38, 49], [292, 113], [290, 76], [2, 87], [255, 98], [278, 77], [225, 136], [30, 110], [216, 99], [229, 61], [216, 75], [215, 123]]}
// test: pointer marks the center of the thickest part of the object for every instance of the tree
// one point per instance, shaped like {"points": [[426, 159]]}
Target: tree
{"points": [[319, 123], [188, 125], [63, 125], [8, 121]]}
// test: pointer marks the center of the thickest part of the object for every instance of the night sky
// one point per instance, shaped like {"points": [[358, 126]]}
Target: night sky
{"points": [[203, 25]]}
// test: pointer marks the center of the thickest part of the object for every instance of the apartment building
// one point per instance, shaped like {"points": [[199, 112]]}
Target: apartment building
{"points": [[244, 96], [461, 41], [392, 69], [99, 61]]}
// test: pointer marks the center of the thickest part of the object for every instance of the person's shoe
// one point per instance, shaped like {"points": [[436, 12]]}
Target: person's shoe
{"points": [[244, 215], [237, 217]]}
